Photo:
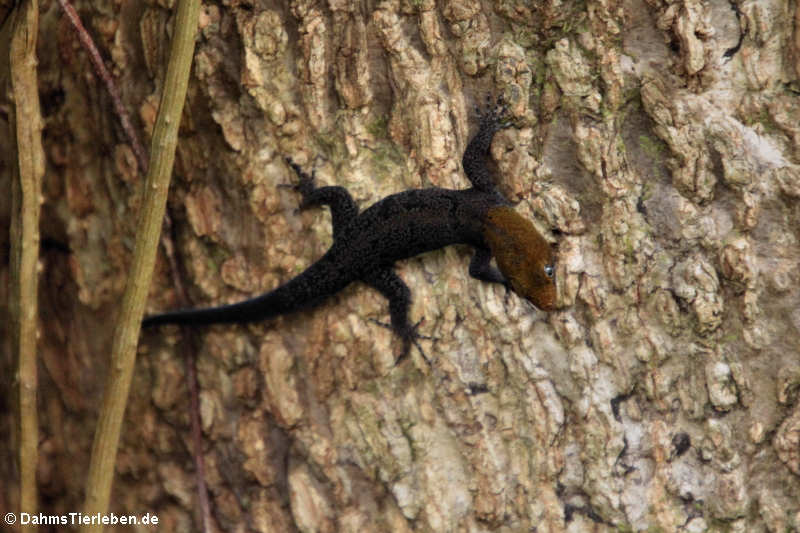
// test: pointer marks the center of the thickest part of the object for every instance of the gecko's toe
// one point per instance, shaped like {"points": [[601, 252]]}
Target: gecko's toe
{"points": [[410, 336], [494, 114]]}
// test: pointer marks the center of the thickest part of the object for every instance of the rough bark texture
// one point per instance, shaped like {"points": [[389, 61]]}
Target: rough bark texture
{"points": [[660, 137]]}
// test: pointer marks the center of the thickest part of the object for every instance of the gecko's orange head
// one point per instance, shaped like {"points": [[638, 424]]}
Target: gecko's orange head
{"points": [[523, 256]]}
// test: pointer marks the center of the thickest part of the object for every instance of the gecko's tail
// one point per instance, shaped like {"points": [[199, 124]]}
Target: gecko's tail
{"points": [[260, 308], [302, 292]]}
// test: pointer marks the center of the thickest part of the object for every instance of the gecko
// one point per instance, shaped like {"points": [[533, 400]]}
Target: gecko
{"points": [[366, 244]]}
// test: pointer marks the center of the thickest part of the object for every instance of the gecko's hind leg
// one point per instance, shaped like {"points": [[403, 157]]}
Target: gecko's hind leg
{"points": [[397, 292], [343, 207]]}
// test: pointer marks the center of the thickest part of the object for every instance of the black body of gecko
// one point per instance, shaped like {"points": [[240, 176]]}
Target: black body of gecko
{"points": [[367, 244]]}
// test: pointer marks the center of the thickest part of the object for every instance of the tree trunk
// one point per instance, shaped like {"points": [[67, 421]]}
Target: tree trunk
{"points": [[654, 140]]}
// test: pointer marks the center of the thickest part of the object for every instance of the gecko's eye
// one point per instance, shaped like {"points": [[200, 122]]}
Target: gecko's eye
{"points": [[549, 270]]}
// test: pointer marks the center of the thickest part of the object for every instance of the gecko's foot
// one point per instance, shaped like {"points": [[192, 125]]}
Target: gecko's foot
{"points": [[509, 290], [409, 335], [493, 116], [305, 185]]}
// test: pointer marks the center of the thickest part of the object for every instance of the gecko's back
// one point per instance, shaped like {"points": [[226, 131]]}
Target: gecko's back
{"points": [[407, 224]]}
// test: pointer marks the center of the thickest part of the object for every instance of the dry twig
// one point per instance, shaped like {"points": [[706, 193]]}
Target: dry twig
{"points": [[126, 333], [26, 193], [100, 67], [169, 249]]}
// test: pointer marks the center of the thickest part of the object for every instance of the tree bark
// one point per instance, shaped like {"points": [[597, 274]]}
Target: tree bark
{"points": [[655, 141]]}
